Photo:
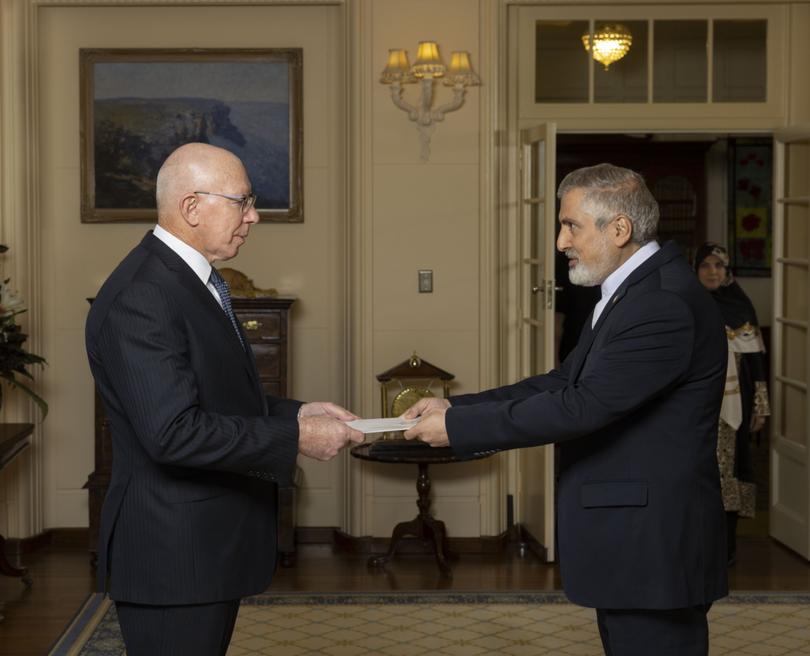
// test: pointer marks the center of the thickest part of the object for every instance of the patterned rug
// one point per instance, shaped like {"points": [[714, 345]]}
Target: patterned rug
{"points": [[452, 624]]}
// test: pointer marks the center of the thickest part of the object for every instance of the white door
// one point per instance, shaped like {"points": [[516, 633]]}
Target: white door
{"points": [[790, 428], [536, 236]]}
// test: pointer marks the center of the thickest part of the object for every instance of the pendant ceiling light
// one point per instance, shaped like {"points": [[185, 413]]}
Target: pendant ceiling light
{"points": [[610, 43]]}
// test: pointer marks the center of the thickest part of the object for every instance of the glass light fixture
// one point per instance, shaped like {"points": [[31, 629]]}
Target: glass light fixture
{"points": [[428, 60], [610, 43], [460, 71], [398, 68], [426, 68]]}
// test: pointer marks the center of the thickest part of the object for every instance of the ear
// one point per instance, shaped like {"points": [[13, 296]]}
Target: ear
{"points": [[621, 231], [189, 205]]}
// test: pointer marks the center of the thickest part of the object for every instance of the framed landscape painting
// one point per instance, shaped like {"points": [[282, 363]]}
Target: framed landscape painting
{"points": [[137, 106]]}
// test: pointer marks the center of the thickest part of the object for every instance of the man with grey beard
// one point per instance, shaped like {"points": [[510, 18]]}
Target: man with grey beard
{"points": [[640, 520]]}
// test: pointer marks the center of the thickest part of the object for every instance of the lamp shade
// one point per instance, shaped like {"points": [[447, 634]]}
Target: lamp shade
{"points": [[460, 71], [428, 60], [397, 69], [610, 43]]}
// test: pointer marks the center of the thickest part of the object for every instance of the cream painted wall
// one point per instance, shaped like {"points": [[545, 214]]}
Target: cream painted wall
{"points": [[307, 260], [415, 215], [425, 216]]}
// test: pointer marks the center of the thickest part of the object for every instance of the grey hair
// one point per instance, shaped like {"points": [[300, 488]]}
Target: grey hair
{"points": [[611, 190]]}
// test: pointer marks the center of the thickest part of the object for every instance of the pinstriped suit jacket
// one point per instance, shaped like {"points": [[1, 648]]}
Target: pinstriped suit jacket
{"points": [[190, 514]]}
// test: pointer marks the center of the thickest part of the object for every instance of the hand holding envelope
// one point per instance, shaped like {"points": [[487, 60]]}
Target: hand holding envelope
{"points": [[323, 430], [431, 428], [424, 420]]}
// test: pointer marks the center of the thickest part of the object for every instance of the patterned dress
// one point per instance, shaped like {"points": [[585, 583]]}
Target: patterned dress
{"points": [[746, 394]]}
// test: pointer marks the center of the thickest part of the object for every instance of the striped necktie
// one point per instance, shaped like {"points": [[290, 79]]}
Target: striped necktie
{"points": [[225, 296]]}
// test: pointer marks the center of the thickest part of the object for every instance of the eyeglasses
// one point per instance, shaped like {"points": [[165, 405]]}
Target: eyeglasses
{"points": [[245, 202]]}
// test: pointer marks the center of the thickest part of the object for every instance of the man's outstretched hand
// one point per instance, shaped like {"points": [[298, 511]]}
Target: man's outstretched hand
{"points": [[431, 427], [322, 432], [422, 406], [320, 408]]}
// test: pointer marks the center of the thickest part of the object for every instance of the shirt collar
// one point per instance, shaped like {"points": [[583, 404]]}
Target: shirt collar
{"points": [[615, 279], [196, 260]]}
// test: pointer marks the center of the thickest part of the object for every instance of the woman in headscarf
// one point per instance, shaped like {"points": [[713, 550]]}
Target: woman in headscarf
{"points": [[745, 403]]}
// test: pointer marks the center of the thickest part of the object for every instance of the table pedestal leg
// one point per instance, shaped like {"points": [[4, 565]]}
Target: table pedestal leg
{"points": [[424, 527]]}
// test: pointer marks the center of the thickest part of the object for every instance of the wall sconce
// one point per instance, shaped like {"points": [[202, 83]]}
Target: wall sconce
{"points": [[428, 65]]}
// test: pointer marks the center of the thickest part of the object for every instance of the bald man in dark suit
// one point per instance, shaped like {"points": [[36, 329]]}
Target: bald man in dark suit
{"points": [[189, 522]]}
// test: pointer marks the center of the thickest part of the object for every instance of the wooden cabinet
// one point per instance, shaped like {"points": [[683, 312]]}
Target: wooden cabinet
{"points": [[266, 322], [99, 480], [267, 325]]}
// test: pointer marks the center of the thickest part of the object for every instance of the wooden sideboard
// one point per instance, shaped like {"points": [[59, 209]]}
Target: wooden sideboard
{"points": [[267, 325], [14, 438]]}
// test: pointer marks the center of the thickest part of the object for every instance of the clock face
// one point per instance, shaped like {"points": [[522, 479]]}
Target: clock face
{"points": [[406, 398]]}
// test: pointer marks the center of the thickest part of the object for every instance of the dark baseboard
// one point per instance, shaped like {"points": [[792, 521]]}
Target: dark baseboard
{"points": [[52, 536], [315, 534], [532, 543], [71, 536], [364, 545], [21, 546], [494, 544]]}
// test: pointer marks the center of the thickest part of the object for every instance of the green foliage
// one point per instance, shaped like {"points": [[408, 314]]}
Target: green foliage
{"points": [[14, 359]]}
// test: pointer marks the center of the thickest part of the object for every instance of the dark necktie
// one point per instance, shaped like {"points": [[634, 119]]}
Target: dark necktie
{"points": [[225, 296]]}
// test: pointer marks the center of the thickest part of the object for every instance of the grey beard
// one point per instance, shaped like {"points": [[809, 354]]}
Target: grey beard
{"points": [[593, 275], [585, 277]]}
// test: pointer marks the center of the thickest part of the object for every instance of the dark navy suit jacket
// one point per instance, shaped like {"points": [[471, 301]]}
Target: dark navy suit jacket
{"points": [[190, 514], [640, 521]]}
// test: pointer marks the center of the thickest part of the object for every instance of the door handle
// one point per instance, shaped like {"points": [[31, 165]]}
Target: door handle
{"points": [[550, 289]]}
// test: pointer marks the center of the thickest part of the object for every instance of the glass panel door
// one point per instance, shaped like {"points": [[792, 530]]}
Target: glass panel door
{"points": [[536, 249], [790, 426]]}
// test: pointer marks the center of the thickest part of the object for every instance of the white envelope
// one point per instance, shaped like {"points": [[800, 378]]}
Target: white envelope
{"points": [[382, 425]]}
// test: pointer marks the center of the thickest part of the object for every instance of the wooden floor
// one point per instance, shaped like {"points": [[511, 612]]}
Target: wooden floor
{"points": [[35, 618]]}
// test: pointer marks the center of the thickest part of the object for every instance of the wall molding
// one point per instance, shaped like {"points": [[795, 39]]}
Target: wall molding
{"points": [[362, 393], [569, 3], [178, 3], [493, 486]]}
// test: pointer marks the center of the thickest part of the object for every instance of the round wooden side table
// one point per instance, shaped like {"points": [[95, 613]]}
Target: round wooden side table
{"points": [[424, 526]]}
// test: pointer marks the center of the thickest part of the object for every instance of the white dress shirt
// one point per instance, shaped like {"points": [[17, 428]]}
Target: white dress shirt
{"points": [[615, 279], [191, 256]]}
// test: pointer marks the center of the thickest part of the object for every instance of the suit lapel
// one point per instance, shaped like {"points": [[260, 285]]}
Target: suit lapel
{"points": [[583, 347], [588, 335], [586, 338], [209, 304]]}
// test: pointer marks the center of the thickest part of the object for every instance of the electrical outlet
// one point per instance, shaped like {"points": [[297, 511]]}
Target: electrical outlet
{"points": [[425, 281]]}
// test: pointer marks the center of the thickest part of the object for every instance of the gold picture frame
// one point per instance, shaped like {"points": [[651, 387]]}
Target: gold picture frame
{"points": [[137, 105]]}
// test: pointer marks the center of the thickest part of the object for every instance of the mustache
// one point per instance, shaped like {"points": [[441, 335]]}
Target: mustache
{"points": [[571, 254]]}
